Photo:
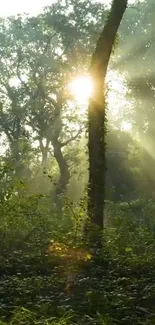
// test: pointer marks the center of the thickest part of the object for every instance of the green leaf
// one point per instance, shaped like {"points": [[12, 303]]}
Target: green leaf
{"points": [[128, 249]]}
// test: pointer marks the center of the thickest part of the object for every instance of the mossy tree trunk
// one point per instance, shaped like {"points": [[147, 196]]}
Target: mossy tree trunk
{"points": [[96, 113]]}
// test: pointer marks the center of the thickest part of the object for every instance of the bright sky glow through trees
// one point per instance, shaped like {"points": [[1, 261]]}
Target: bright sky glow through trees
{"points": [[13, 7]]}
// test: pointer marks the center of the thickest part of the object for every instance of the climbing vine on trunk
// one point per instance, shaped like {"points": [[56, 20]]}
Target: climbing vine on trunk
{"points": [[96, 113]]}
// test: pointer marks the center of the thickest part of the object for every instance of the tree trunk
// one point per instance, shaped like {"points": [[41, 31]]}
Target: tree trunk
{"points": [[64, 173], [44, 152], [96, 113]]}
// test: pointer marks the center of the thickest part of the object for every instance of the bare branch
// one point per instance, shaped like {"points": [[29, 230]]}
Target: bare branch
{"points": [[72, 138]]}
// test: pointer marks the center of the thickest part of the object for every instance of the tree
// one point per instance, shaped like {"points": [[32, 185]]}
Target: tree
{"points": [[139, 52], [96, 113], [124, 166], [40, 55]]}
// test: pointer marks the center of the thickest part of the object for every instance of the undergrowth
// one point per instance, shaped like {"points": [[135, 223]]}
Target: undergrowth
{"points": [[48, 276]]}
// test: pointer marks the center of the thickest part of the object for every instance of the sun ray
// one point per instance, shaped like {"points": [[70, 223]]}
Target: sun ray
{"points": [[81, 88]]}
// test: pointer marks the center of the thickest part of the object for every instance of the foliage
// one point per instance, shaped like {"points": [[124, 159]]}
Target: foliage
{"points": [[39, 58], [52, 275], [48, 274]]}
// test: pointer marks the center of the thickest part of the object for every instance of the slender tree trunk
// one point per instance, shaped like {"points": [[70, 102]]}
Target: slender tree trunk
{"points": [[57, 146], [64, 173], [96, 113], [44, 151]]}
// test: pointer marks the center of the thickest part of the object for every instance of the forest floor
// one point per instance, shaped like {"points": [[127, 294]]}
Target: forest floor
{"points": [[47, 289]]}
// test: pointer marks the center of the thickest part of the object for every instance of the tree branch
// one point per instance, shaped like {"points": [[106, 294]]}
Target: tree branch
{"points": [[48, 43], [18, 71], [4, 125], [71, 139], [53, 102]]}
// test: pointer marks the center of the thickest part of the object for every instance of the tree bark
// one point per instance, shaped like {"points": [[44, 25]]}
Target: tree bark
{"points": [[44, 152], [64, 173], [96, 113]]}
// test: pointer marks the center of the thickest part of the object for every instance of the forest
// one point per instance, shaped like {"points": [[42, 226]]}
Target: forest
{"points": [[77, 163]]}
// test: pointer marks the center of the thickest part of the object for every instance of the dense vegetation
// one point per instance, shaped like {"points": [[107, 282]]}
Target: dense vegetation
{"points": [[49, 272]]}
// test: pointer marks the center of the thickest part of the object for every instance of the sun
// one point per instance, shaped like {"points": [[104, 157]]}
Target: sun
{"points": [[81, 88]]}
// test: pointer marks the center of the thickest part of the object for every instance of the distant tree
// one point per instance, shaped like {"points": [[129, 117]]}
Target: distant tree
{"points": [[124, 166], [138, 31]]}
